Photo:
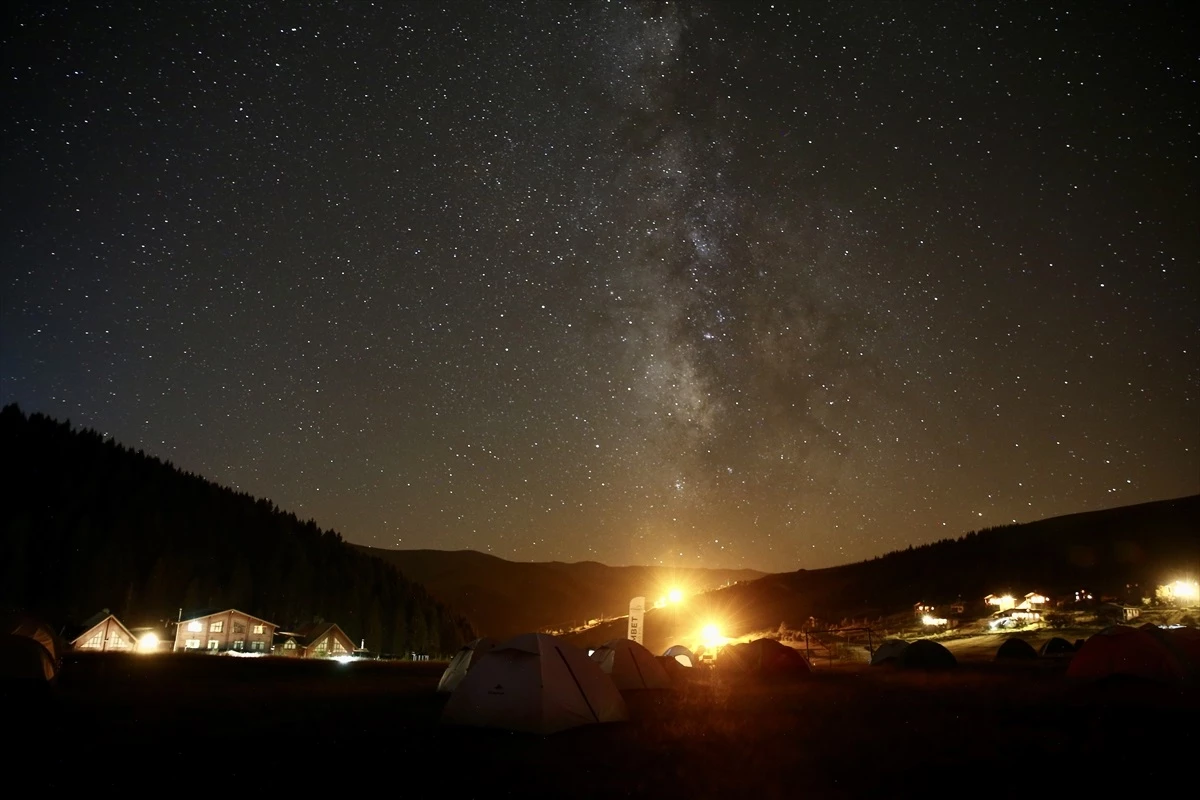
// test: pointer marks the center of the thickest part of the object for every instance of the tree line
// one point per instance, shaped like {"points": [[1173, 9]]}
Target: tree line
{"points": [[89, 524]]}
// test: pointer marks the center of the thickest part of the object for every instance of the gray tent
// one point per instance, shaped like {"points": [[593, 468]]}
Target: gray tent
{"points": [[23, 661], [889, 652], [1015, 649], [631, 666], [23, 624], [928, 655], [467, 657]]}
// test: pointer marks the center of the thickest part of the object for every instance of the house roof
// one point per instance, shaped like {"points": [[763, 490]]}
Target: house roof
{"points": [[307, 634], [213, 612], [83, 635]]}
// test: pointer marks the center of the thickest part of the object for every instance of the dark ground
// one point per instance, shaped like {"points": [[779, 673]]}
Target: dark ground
{"points": [[203, 723]]}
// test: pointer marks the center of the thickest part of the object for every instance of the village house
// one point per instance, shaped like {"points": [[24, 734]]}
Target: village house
{"points": [[315, 640], [105, 634], [1001, 602], [224, 631]]}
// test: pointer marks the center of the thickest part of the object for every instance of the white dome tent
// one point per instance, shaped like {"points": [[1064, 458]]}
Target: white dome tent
{"points": [[467, 657], [535, 683]]}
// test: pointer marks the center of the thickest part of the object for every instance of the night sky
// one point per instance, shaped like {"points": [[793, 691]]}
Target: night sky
{"points": [[757, 285]]}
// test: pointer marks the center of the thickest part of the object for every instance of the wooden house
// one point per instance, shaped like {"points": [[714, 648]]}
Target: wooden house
{"points": [[315, 640], [105, 634], [224, 631]]}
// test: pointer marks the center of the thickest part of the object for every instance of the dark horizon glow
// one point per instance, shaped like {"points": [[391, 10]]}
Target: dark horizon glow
{"points": [[698, 284]]}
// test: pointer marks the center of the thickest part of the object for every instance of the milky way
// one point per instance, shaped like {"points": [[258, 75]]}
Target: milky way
{"points": [[710, 284]]}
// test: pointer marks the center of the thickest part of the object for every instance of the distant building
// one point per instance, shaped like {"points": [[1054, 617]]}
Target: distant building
{"points": [[229, 630], [1002, 602], [105, 634], [315, 640], [1034, 601], [922, 610]]}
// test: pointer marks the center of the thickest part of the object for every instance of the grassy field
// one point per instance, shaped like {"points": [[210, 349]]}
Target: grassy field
{"points": [[224, 724]]}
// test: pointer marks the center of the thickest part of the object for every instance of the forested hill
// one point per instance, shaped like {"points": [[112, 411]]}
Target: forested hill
{"points": [[88, 524]]}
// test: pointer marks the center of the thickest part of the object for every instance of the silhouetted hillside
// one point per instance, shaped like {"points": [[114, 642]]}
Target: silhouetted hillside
{"points": [[507, 597], [88, 524], [1105, 552]]}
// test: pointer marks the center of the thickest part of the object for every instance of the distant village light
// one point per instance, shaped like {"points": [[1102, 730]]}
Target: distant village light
{"points": [[1179, 592]]}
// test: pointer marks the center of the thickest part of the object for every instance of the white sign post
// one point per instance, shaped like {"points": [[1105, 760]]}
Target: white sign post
{"points": [[637, 607]]}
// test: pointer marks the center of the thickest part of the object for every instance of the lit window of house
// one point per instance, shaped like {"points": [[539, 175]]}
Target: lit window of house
{"points": [[195, 627], [259, 628], [321, 646], [95, 642], [191, 644], [259, 646], [213, 644], [289, 645], [239, 645], [216, 627], [337, 647]]}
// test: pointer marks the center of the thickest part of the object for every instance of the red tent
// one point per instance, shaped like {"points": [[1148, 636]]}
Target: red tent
{"points": [[1133, 652]]}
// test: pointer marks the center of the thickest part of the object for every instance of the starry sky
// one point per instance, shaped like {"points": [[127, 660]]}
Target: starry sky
{"points": [[765, 285]]}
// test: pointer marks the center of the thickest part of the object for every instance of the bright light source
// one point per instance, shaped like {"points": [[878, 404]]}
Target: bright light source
{"points": [[711, 636], [675, 595], [343, 659], [148, 643], [194, 627], [929, 619], [1187, 591]]}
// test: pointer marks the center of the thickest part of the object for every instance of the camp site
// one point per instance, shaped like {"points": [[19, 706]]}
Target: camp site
{"points": [[535, 711]]}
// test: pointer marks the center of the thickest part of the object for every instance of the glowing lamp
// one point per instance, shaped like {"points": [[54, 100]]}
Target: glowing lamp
{"points": [[1186, 590], [148, 643], [675, 595], [711, 636]]}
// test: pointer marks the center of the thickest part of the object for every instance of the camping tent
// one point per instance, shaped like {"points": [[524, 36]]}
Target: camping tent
{"points": [[23, 624], [1057, 647], [1015, 649], [535, 683], [889, 652], [1121, 650], [682, 655], [765, 657], [631, 666], [927, 654], [467, 657], [24, 662]]}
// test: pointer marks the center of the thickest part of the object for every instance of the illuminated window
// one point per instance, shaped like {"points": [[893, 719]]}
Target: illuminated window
{"points": [[216, 627], [258, 646], [191, 644], [195, 627], [321, 645], [95, 642], [239, 645], [239, 627], [258, 628], [213, 644], [337, 647], [290, 645]]}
